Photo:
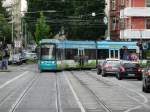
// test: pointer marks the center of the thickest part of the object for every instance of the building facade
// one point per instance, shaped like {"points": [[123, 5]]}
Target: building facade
{"points": [[14, 9], [130, 19]]}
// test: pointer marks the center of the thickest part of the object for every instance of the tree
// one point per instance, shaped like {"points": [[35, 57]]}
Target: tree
{"points": [[5, 29], [74, 15], [42, 29]]}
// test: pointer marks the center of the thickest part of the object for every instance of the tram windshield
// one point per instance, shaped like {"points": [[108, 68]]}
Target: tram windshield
{"points": [[48, 52]]}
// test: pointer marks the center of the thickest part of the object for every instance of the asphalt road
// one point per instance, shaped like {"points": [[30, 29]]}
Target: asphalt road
{"points": [[24, 89]]}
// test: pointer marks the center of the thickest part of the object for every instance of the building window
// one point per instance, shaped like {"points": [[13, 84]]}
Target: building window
{"points": [[122, 2], [113, 3], [148, 24], [114, 23], [148, 3], [122, 24]]}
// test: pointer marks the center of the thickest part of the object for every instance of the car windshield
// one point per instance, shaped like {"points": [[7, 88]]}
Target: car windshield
{"points": [[114, 63]]}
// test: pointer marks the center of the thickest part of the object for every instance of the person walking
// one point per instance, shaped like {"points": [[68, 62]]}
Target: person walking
{"points": [[5, 58]]}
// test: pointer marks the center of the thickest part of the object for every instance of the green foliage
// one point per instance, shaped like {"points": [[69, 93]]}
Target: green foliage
{"points": [[42, 29], [148, 54], [5, 28], [74, 15]]}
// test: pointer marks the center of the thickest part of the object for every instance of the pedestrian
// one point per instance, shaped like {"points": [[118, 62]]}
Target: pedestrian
{"points": [[5, 58], [125, 54]]}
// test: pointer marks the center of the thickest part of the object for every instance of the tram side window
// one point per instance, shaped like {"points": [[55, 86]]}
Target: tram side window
{"points": [[102, 53], [130, 51], [91, 53], [70, 54], [59, 54]]}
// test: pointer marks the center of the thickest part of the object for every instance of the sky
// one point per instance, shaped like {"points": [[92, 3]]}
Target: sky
{"points": [[23, 4]]}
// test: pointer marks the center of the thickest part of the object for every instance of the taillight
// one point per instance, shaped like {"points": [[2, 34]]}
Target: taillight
{"points": [[139, 70], [122, 69]]}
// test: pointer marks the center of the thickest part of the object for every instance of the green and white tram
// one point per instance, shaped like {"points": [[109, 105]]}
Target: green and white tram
{"points": [[59, 55]]}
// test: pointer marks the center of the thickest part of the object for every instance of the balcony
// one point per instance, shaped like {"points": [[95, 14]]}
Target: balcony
{"points": [[135, 34], [135, 12]]}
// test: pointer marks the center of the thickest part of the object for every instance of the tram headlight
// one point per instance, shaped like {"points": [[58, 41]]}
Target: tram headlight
{"points": [[53, 62], [42, 62]]}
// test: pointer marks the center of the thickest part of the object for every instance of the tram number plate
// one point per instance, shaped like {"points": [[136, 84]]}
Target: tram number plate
{"points": [[131, 75]]}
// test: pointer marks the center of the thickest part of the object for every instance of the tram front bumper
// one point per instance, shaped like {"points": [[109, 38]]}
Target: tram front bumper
{"points": [[48, 66]]}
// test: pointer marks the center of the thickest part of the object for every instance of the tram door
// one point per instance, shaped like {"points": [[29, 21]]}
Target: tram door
{"points": [[114, 53], [81, 55]]}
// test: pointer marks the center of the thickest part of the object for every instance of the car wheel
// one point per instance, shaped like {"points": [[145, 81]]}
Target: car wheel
{"points": [[144, 89], [104, 74], [139, 78], [98, 71], [118, 76]]}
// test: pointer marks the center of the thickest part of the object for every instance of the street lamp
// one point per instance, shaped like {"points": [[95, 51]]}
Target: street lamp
{"points": [[93, 14]]}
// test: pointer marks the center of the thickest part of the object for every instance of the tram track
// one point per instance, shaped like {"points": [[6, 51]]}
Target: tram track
{"points": [[143, 103], [97, 79], [58, 102], [23, 94], [4, 98], [98, 100]]}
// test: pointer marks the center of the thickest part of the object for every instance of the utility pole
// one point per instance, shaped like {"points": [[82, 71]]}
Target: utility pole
{"points": [[108, 16], [12, 28], [25, 38]]}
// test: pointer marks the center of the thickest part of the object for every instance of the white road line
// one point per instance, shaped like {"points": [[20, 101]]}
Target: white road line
{"points": [[22, 95], [12, 80], [75, 95], [134, 91], [136, 107]]}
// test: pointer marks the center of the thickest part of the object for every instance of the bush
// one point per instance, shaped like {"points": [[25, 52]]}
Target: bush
{"points": [[31, 61], [148, 54], [0, 55]]}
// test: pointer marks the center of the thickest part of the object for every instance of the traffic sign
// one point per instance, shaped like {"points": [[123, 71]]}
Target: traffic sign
{"points": [[18, 44]]}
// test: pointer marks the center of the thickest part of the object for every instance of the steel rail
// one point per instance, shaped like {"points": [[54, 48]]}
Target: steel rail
{"points": [[99, 101]]}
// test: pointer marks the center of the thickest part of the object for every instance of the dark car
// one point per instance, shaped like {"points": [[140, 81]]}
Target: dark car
{"points": [[110, 66], [146, 80], [129, 70]]}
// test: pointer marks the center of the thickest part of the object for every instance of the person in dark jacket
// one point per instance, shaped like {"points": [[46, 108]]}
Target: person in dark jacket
{"points": [[5, 57]]}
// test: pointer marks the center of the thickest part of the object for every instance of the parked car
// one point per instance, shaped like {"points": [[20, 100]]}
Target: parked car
{"points": [[109, 66], [146, 80], [129, 70], [30, 55]]}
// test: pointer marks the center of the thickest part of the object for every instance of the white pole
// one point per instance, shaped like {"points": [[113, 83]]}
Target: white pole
{"points": [[12, 32], [108, 20], [25, 35]]}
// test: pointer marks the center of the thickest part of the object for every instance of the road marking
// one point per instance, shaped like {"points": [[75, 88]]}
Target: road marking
{"points": [[12, 80], [58, 101], [137, 107], [22, 95], [75, 95], [134, 91]]}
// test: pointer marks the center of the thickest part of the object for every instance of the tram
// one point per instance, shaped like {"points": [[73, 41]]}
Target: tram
{"points": [[108, 49], [59, 55]]}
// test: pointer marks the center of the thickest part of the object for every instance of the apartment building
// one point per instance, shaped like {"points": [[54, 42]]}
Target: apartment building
{"points": [[14, 8], [130, 19]]}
